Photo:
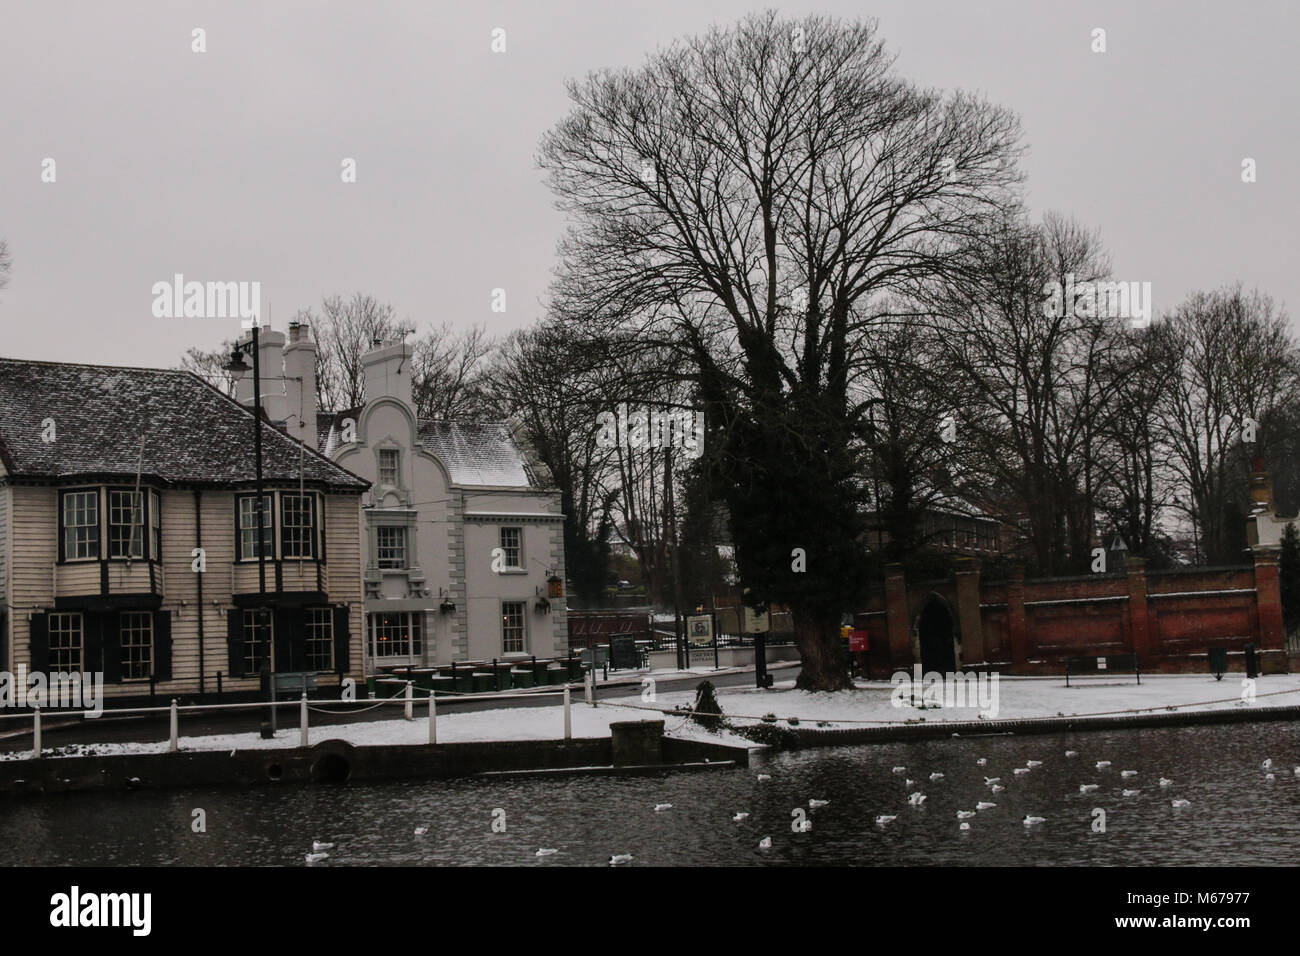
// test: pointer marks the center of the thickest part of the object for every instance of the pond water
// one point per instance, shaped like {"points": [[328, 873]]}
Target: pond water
{"points": [[1234, 816]]}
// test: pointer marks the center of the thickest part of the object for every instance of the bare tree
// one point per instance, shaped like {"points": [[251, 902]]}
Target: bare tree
{"points": [[447, 370], [1035, 367], [1231, 362], [210, 366], [345, 330], [535, 381], [732, 204]]}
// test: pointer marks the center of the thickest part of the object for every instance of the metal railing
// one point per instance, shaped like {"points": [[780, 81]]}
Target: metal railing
{"points": [[406, 700]]}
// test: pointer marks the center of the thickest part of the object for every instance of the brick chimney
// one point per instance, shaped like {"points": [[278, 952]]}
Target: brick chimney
{"points": [[270, 345], [388, 372], [300, 384]]}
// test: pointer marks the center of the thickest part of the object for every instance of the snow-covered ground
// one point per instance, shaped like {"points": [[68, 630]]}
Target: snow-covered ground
{"points": [[869, 704]]}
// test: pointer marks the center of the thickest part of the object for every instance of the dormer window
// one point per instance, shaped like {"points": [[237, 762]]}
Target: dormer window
{"points": [[390, 463]]}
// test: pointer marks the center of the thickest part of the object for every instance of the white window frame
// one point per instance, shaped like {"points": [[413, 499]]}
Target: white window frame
{"points": [[380, 468], [250, 627], [507, 626], [129, 627], [92, 544], [136, 528], [518, 547], [71, 624], [248, 527], [411, 622], [319, 625], [405, 557], [307, 532]]}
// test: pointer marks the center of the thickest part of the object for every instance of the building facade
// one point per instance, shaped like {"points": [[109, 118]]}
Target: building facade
{"points": [[462, 545], [129, 543]]}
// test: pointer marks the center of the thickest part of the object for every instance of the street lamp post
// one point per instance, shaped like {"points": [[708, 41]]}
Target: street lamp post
{"points": [[237, 368]]}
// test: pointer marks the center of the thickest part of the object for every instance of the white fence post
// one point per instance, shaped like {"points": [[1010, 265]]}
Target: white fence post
{"points": [[36, 730], [433, 718], [410, 700], [568, 718], [302, 720], [171, 743]]}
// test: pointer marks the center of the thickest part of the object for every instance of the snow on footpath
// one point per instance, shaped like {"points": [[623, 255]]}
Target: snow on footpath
{"points": [[871, 703], [519, 723]]}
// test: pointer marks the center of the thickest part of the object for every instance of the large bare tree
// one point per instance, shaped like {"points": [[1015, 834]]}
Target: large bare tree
{"points": [[734, 204]]}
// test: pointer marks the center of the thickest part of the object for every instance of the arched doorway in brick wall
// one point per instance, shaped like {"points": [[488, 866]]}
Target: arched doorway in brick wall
{"points": [[936, 634]]}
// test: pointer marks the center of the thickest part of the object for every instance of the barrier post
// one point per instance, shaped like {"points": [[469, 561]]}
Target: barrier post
{"points": [[302, 720], [568, 719], [36, 730], [410, 714], [433, 717], [175, 720]]}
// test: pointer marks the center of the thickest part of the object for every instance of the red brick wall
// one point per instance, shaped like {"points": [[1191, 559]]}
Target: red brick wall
{"points": [[1170, 619]]}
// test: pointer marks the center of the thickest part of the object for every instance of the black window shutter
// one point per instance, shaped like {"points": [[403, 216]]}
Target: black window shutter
{"points": [[342, 639], [162, 645], [235, 641], [40, 644]]}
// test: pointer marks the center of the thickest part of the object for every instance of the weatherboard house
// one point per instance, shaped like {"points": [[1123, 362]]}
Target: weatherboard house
{"points": [[129, 543], [462, 540]]}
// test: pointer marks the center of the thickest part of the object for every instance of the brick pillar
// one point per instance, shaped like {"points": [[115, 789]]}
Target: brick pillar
{"points": [[1138, 613], [1017, 631], [900, 638], [1268, 599], [968, 612]]}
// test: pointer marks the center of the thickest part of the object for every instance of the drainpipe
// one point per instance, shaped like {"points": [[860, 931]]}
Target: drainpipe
{"points": [[198, 543]]}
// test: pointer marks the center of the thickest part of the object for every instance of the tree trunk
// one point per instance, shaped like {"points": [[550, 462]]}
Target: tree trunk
{"points": [[822, 662]]}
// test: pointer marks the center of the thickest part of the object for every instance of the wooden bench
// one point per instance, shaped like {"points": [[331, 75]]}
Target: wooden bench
{"points": [[1102, 664]]}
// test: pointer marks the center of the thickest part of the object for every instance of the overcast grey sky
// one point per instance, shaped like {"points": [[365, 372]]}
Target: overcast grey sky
{"points": [[226, 165]]}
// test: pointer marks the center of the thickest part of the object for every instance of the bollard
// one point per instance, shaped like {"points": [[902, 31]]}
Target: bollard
{"points": [[568, 720], [302, 720], [218, 687], [36, 726], [175, 720], [433, 718], [410, 714]]}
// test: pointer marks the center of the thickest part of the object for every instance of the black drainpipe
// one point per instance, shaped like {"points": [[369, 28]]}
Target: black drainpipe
{"points": [[198, 543]]}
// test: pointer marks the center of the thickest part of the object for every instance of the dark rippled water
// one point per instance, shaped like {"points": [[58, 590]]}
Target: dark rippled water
{"points": [[1235, 816]]}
